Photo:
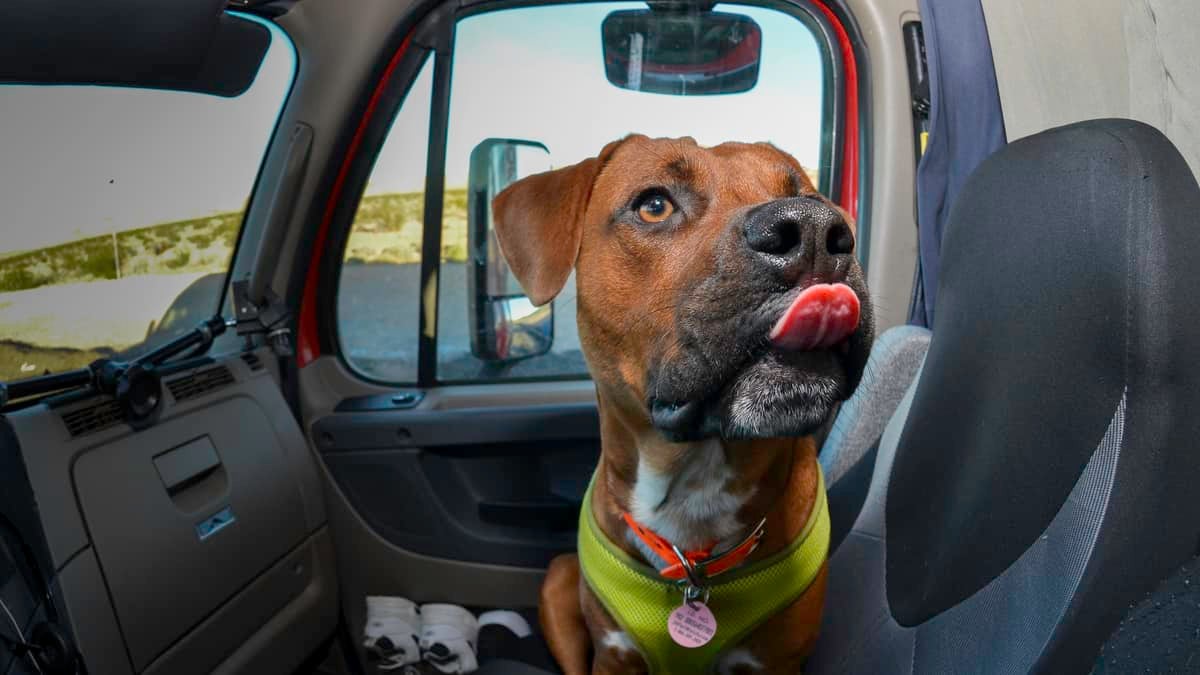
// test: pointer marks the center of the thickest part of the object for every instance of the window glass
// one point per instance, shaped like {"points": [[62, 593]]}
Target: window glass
{"points": [[121, 211], [378, 293], [553, 90]]}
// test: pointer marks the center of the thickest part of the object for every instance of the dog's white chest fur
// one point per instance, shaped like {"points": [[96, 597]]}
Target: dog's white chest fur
{"points": [[691, 506]]}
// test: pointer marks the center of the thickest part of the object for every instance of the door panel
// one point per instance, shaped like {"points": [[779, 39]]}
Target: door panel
{"points": [[499, 485]]}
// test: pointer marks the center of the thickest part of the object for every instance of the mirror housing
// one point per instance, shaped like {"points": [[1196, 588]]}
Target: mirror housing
{"points": [[681, 53], [505, 325]]}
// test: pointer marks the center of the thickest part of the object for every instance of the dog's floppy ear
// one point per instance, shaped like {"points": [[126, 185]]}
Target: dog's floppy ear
{"points": [[539, 224]]}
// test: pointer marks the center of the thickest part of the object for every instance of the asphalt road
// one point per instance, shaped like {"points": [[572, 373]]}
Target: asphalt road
{"points": [[378, 307]]}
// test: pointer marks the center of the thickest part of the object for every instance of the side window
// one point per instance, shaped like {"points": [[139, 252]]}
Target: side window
{"points": [[378, 301], [556, 98], [122, 209], [553, 90]]}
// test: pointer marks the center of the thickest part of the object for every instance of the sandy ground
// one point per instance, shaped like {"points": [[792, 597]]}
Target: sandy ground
{"points": [[112, 313], [377, 316]]}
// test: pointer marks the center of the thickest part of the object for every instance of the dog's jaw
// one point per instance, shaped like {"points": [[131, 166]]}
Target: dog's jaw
{"points": [[775, 395], [760, 406], [726, 379]]}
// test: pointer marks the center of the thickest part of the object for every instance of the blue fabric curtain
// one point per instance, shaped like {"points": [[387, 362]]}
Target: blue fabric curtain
{"points": [[965, 126]]}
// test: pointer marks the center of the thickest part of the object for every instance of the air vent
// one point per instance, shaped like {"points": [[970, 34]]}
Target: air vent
{"points": [[93, 418], [252, 360], [200, 382]]}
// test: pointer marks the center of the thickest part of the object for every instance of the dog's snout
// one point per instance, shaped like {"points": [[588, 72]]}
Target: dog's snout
{"points": [[800, 235]]}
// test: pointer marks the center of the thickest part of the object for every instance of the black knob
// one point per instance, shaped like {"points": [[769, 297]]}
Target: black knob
{"points": [[139, 391]]}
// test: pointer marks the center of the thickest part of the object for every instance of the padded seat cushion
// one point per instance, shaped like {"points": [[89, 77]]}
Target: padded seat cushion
{"points": [[891, 367]]}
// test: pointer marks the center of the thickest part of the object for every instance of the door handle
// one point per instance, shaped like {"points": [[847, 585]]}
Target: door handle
{"points": [[549, 513]]}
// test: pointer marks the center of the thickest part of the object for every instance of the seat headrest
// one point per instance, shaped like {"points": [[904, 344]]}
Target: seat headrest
{"points": [[1070, 279]]}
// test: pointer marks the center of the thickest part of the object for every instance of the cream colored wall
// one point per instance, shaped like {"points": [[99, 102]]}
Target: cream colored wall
{"points": [[1061, 61]]}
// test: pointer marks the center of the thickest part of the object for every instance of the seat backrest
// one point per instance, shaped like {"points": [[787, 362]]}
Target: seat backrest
{"points": [[1039, 477]]}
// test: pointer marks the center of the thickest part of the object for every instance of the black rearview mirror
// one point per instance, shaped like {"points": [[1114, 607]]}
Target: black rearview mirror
{"points": [[681, 53], [505, 326]]}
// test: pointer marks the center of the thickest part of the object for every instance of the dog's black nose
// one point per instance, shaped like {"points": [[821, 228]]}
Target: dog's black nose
{"points": [[801, 235]]}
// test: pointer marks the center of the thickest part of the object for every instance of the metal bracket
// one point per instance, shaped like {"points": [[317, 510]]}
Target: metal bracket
{"points": [[270, 318]]}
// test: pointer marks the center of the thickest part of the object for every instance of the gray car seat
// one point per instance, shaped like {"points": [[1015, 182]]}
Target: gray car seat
{"points": [[1039, 477]]}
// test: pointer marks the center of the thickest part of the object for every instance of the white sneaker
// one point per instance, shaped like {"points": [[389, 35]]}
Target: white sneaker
{"points": [[448, 638], [391, 636]]}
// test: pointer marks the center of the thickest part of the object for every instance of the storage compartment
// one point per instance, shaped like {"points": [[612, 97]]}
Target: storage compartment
{"points": [[287, 609], [186, 514]]}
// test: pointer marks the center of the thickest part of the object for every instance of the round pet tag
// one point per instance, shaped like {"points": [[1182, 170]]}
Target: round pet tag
{"points": [[692, 625]]}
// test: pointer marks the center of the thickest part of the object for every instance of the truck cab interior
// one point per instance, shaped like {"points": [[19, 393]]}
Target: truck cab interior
{"points": [[261, 358]]}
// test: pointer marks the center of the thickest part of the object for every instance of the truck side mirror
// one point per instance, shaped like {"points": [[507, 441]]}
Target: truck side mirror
{"points": [[505, 326]]}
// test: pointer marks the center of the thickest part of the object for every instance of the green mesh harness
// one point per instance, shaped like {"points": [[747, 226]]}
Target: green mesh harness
{"points": [[641, 601]]}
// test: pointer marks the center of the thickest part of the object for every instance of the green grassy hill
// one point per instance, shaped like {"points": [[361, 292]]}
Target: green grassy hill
{"points": [[198, 245], [387, 228]]}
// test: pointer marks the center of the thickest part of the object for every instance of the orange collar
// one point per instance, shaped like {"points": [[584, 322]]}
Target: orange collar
{"points": [[698, 564]]}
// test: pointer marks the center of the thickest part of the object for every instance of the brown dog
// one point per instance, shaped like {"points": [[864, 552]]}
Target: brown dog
{"points": [[711, 372]]}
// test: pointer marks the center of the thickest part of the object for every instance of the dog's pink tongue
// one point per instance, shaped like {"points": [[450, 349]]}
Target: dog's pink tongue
{"points": [[822, 316]]}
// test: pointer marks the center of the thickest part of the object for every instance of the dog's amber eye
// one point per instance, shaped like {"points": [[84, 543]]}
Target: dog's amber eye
{"points": [[655, 209]]}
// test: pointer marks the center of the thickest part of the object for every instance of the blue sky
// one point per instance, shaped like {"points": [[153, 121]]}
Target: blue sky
{"points": [[537, 74]]}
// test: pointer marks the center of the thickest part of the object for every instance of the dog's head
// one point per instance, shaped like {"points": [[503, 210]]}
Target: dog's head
{"points": [[689, 264]]}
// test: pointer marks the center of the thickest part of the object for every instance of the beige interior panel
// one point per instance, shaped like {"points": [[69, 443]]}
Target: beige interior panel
{"points": [[93, 622], [287, 612], [326, 382], [377, 567], [1071, 60], [196, 541], [161, 574], [893, 229]]}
